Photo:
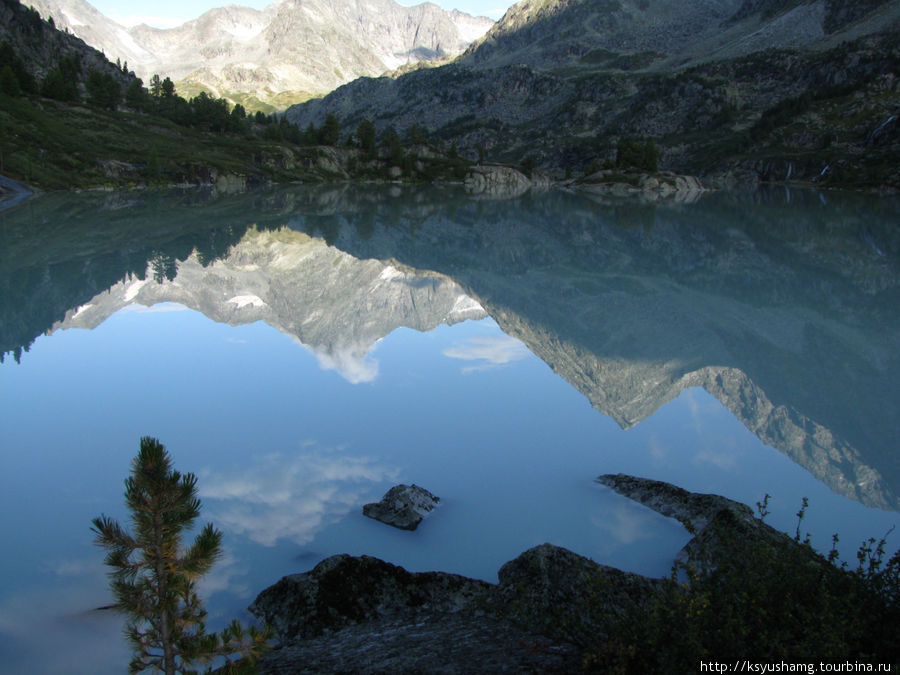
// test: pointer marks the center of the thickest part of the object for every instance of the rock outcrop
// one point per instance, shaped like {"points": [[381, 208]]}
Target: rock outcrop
{"points": [[565, 596], [496, 181], [361, 614], [345, 590], [693, 510], [403, 506], [722, 527]]}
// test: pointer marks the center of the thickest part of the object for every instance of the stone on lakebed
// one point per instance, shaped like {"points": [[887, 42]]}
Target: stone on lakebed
{"points": [[403, 506]]}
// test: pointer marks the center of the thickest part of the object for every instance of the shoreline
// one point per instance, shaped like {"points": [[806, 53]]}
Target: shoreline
{"points": [[13, 193]]}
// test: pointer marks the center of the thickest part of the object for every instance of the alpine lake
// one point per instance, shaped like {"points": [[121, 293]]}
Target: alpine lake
{"points": [[302, 349]]}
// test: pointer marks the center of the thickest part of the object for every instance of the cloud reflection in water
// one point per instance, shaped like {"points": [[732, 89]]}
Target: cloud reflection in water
{"points": [[352, 362], [490, 351], [290, 497]]}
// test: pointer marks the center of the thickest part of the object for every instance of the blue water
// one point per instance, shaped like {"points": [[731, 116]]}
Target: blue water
{"points": [[287, 450]]}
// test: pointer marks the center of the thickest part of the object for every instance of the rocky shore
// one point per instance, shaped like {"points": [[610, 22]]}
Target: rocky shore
{"points": [[364, 615]]}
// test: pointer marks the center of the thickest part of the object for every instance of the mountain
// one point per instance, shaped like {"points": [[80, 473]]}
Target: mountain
{"points": [[291, 50], [671, 33], [732, 90]]}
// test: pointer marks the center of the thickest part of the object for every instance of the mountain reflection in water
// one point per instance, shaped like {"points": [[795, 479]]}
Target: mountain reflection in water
{"points": [[781, 304]]}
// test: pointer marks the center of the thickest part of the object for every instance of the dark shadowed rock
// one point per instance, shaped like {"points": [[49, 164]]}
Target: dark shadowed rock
{"points": [[403, 506], [345, 590], [452, 643], [556, 592], [364, 615]]}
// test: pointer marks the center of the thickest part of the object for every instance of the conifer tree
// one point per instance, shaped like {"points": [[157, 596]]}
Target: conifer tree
{"points": [[156, 86], [153, 578], [366, 134], [330, 132]]}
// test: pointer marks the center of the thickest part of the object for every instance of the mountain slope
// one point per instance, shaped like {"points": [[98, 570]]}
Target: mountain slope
{"points": [[41, 48], [289, 51], [552, 33], [728, 90]]}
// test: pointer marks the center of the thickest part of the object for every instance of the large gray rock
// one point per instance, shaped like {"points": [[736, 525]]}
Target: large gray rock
{"points": [[558, 593], [496, 181], [345, 590], [403, 506], [364, 615]]}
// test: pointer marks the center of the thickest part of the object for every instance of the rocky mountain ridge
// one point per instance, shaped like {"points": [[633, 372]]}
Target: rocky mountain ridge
{"points": [[289, 51]]}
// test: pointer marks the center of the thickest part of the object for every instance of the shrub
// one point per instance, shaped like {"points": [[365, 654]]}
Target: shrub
{"points": [[767, 601]]}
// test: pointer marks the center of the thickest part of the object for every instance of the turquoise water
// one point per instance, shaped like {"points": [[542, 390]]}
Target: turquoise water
{"points": [[301, 351]]}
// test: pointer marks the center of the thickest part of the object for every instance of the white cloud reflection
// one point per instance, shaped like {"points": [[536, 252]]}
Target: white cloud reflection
{"points": [[352, 363], [488, 352], [625, 524], [290, 496]]}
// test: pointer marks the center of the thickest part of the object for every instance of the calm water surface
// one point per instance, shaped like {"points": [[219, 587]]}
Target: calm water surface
{"points": [[302, 350]]}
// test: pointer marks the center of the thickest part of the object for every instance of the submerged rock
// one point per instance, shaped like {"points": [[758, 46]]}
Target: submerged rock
{"points": [[691, 509], [722, 527], [403, 506]]}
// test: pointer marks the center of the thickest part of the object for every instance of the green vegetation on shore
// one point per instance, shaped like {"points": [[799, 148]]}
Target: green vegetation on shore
{"points": [[70, 119], [61, 145]]}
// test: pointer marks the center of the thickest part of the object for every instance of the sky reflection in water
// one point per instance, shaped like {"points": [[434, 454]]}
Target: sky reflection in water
{"points": [[287, 453], [289, 442]]}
